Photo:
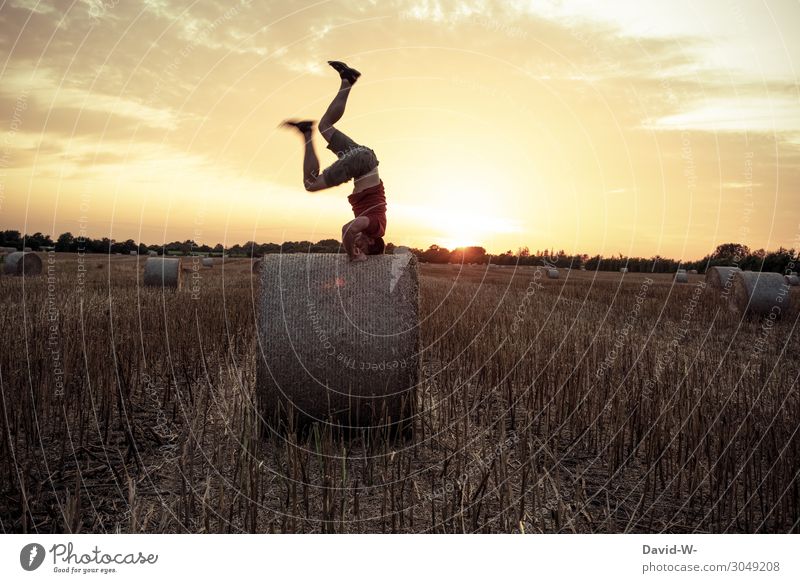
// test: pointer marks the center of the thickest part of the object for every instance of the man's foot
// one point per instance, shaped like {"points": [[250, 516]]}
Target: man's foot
{"points": [[347, 73], [304, 127]]}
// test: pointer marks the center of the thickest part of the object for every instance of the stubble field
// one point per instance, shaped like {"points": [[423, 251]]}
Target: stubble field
{"points": [[590, 403]]}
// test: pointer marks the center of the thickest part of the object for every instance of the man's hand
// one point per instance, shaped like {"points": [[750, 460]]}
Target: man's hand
{"points": [[358, 256]]}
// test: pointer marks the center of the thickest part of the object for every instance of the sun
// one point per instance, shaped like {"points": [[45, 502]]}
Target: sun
{"points": [[455, 241], [461, 211], [469, 228]]}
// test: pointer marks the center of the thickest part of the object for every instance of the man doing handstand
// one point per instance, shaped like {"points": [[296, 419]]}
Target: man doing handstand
{"points": [[363, 235]]}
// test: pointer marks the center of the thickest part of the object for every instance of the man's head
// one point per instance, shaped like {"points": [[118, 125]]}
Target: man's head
{"points": [[376, 247], [367, 245]]}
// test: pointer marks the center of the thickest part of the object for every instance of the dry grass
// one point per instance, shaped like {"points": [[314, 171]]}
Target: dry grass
{"points": [[585, 404]]}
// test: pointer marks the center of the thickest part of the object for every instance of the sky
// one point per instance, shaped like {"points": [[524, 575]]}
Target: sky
{"points": [[627, 127]]}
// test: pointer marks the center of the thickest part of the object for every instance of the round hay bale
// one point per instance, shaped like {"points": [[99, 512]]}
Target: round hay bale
{"points": [[623, 270], [22, 263], [693, 271], [162, 271], [133, 253], [208, 262], [191, 264], [759, 293], [6, 250], [27, 249], [338, 341], [552, 273], [152, 253], [256, 265], [791, 280], [681, 277], [720, 277], [582, 268]]}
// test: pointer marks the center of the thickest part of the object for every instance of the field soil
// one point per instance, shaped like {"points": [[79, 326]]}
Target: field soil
{"points": [[591, 403]]}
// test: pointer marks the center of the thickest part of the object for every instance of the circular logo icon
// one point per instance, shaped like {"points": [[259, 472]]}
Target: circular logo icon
{"points": [[31, 556]]}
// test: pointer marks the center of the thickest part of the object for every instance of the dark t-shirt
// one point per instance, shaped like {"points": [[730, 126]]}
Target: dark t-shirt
{"points": [[371, 203]]}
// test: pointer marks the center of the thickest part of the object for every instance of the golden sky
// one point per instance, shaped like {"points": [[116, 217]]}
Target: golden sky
{"points": [[626, 127]]}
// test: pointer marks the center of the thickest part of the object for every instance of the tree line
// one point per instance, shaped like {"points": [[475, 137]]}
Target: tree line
{"points": [[780, 260]]}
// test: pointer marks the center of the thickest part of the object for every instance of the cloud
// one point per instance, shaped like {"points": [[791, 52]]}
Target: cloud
{"points": [[591, 102]]}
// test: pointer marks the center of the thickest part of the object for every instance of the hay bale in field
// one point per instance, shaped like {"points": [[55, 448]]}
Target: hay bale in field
{"points": [[133, 253], [22, 263], [759, 293], [27, 249], [582, 268], [152, 253], [163, 271], [681, 276], [208, 262], [693, 272], [552, 273], [256, 265], [338, 341], [623, 270], [720, 277], [6, 250], [791, 280]]}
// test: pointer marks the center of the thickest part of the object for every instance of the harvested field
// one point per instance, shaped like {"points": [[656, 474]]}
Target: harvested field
{"points": [[597, 402]]}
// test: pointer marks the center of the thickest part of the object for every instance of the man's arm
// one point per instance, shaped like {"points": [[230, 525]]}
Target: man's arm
{"points": [[349, 232]]}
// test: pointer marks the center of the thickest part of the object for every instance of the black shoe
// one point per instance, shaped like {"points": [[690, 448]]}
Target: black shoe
{"points": [[304, 127], [347, 73]]}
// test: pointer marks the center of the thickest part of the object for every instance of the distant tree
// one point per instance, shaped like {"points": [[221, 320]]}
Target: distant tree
{"points": [[327, 246], [11, 239], [507, 258], [730, 252], [296, 246], [267, 248], [468, 255], [37, 241], [124, 247], [65, 242], [436, 254]]}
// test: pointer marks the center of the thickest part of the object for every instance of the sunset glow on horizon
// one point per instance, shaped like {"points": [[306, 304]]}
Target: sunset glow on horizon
{"points": [[633, 128]]}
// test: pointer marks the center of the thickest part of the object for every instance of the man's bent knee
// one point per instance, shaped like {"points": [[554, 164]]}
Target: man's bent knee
{"points": [[326, 129], [313, 184]]}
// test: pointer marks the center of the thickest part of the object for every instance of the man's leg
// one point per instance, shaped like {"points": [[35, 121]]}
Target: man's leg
{"points": [[335, 111], [311, 178], [310, 163]]}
